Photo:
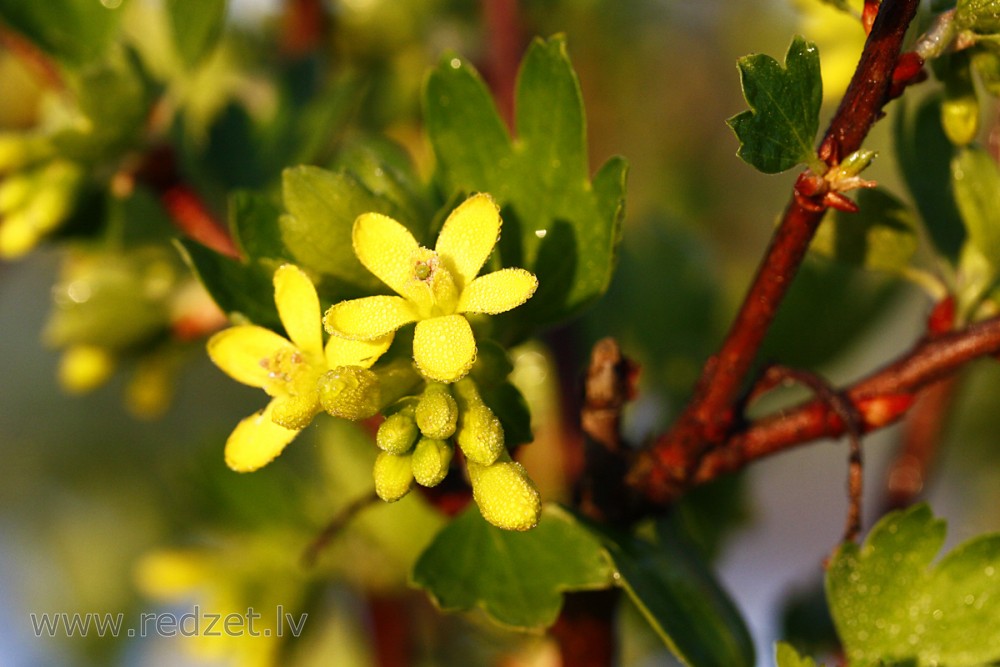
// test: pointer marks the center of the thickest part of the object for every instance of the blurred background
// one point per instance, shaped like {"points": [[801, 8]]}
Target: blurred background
{"points": [[119, 501]]}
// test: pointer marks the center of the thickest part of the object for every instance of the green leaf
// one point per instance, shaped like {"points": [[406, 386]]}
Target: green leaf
{"points": [[923, 153], [982, 16], [253, 221], [778, 130], [785, 655], [241, 290], [678, 595], [322, 206], [517, 578], [892, 606], [881, 236], [976, 183], [557, 223], [197, 25], [75, 31]]}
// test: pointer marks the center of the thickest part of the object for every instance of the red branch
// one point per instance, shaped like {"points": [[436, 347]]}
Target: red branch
{"points": [[710, 417], [881, 398]]}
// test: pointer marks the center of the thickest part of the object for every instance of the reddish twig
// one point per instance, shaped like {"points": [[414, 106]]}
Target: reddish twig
{"points": [[188, 211], [303, 27], [881, 399], [506, 42], [710, 417]]}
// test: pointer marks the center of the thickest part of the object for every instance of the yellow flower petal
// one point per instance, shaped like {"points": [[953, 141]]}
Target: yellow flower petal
{"points": [[385, 247], [444, 348], [256, 441], [239, 351], [498, 292], [298, 306], [364, 353], [368, 318], [468, 236]]}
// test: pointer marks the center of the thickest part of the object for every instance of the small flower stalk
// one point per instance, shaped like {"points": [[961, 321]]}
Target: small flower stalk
{"points": [[433, 408]]}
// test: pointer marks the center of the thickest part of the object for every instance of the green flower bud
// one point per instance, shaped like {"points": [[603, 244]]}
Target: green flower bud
{"points": [[480, 435], [506, 496], [431, 459], [350, 392], [960, 118], [437, 412], [393, 476], [397, 433]]}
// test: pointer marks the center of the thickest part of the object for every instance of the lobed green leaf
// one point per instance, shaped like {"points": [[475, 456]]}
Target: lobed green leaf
{"points": [[557, 223], [892, 606], [982, 16], [778, 130], [517, 578]]}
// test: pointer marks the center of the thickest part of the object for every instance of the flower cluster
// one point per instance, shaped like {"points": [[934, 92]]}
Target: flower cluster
{"points": [[430, 410], [37, 191]]}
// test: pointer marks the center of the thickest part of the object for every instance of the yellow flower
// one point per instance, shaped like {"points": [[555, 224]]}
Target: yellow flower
{"points": [[288, 370], [436, 287]]}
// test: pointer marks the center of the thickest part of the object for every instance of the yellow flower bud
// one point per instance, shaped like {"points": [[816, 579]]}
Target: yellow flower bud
{"points": [[393, 476], [15, 191], [437, 412], [506, 496], [18, 235], [350, 392], [480, 435], [398, 433], [430, 462], [83, 368], [960, 118]]}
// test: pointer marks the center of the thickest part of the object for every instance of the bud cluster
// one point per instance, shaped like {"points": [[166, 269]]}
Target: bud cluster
{"points": [[418, 440], [37, 191]]}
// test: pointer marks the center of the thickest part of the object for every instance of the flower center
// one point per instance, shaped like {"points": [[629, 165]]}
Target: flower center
{"points": [[433, 292], [289, 373]]}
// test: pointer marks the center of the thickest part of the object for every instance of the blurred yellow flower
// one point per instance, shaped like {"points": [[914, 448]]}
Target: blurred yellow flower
{"points": [[840, 38], [288, 370], [436, 288]]}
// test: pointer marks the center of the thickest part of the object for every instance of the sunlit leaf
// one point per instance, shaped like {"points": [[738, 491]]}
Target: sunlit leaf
{"points": [[197, 25], [75, 31], [785, 655], [982, 16], [517, 578], [778, 130], [892, 605], [881, 236], [557, 223], [682, 601]]}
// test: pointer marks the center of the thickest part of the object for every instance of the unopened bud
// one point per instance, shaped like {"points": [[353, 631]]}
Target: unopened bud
{"points": [[83, 368], [398, 433], [431, 459], [480, 435], [437, 412], [506, 496], [350, 392], [393, 476]]}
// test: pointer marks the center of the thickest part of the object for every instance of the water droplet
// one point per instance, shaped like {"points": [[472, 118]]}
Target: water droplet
{"points": [[112, 4], [969, 599], [989, 571], [937, 614], [540, 233], [455, 63], [78, 291]]}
